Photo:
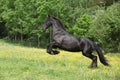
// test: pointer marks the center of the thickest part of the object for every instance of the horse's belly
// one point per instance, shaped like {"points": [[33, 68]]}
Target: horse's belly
{"points": [[68, 43], [71, 46]]}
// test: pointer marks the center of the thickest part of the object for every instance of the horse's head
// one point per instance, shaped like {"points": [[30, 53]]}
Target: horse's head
{"points": [[50, 21], [47, 23]]}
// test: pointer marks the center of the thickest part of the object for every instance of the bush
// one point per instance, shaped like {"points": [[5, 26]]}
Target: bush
{"points": [[82, 25], [106, 28]]}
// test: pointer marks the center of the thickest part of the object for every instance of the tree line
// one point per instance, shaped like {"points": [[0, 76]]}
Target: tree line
{"points": [[99, 20]]}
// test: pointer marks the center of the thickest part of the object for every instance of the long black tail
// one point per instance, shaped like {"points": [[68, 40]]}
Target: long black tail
{"points": [[100, 54]]}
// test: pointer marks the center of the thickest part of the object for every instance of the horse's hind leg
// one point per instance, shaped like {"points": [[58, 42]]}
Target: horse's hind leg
{"points": [[91, 56], [94, 62]]}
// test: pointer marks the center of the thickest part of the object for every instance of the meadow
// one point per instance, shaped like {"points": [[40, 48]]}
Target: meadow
{"points": [[25, 63]]}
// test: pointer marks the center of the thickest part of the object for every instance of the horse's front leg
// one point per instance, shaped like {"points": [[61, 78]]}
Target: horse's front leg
{"points": [[49, 48]]}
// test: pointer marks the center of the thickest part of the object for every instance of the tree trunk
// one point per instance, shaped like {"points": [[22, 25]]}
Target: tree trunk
{"points": [[15, 37], [21, 34], [38, 43], [21, 37]]}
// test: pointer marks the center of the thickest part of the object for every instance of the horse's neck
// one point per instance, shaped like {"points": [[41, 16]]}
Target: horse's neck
{"points": [[57, 30], [58, 27]]}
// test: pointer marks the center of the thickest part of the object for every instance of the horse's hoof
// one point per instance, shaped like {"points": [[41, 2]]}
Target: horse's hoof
{"points": [[53, 52], [92, 67], [56, 52]]}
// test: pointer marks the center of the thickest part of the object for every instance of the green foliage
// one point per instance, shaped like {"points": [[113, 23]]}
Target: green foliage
{"points": [[105, 28], [113, 16], [23, 20], [82, 25]]}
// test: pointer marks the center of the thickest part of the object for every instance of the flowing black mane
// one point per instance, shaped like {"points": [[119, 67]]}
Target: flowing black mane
{"points": [[59, 22]]}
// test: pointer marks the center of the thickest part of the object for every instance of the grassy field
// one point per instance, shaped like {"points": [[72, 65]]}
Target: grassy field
{"points": [[23, 63]]}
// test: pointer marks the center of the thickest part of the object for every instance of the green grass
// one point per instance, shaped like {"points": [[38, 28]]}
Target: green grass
{"points": [[22, 63]]}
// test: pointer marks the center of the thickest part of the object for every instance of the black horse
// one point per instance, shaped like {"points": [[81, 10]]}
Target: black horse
{"points": [[61, 39]]}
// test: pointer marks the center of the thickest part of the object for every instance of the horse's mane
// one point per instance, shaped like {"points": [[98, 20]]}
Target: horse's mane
{"points": [[60, 23]]}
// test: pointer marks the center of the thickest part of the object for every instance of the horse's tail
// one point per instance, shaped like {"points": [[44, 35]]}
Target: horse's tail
{"points": [[100, 54]]}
